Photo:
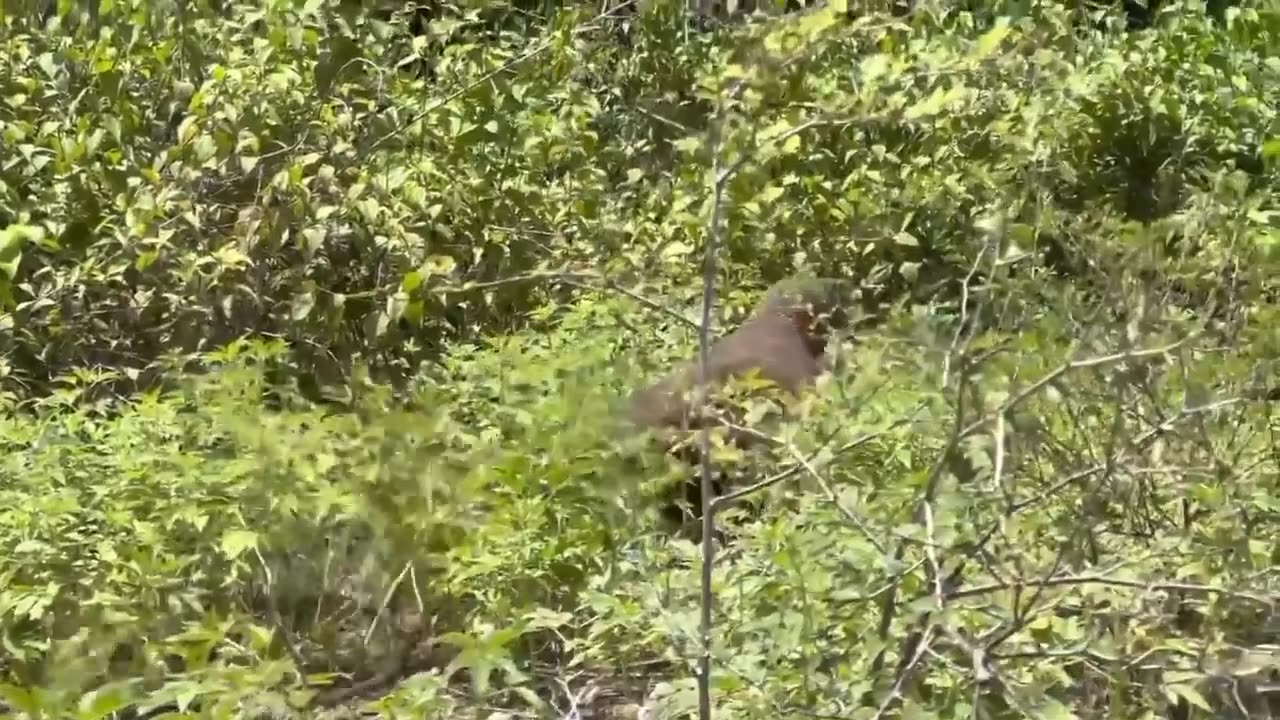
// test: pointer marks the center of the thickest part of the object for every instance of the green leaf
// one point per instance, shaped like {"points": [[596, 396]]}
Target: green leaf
{"points": [[376, 323], [395, 305], [991, 39], [313, 238], [20, 699], [769, 194], [874, 66], [689, 145], [935, 103], [235, 542], [103, 701], [302, 305], [411, 281], [1191, 695], [145, 259], [676, 251], [12, 239], [205, 147], [45, 61]]}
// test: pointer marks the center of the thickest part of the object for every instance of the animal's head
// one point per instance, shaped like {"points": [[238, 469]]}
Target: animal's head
{"points": [[817, 306]]}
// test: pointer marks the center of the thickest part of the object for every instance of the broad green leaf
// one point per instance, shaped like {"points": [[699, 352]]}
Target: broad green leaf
{"points": [[45, 61], [411, 281], [676, 250], [313, 238], [262, 636], [1190, 694], [938, 100], [377, 322], [20, 698], [395, 305], [991, 39], [302, 305], [814, 23], [187, 129], [205, 147], [874, 67], [12, 239], [235, 542], [769, 194], [104, 701]]}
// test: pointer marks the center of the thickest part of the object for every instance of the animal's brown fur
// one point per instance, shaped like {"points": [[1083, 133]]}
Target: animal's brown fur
{"points": [[784, 342]]}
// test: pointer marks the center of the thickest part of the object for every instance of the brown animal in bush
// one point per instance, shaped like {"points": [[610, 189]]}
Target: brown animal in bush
{"points": [[784, 341]]}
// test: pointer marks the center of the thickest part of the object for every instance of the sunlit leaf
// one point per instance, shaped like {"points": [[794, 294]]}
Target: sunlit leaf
{"points": [[235, 542], [12, 240], [990, 40], [303, 304]]}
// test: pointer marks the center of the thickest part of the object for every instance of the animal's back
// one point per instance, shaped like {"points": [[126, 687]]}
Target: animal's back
{"points": [[770, 344]]}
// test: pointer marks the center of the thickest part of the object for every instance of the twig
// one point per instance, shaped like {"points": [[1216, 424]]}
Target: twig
{"points": [[895, 693], [576, 700], [614, 287], [386, 600], [1094, 579], [806, 464], [949, 358], [704, 440], [1024, 394], [1138, 443], [278, 620]]}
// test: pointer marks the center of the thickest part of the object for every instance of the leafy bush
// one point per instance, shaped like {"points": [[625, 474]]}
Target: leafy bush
{"points": [[204, 525]]}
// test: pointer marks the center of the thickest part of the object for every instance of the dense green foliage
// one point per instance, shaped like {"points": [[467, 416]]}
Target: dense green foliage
{"points": [[316, 321]]}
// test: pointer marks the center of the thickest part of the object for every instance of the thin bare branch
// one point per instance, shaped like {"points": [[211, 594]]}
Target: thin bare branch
{"points": [[1094, 579], [1026, 393], [806, 464]]}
